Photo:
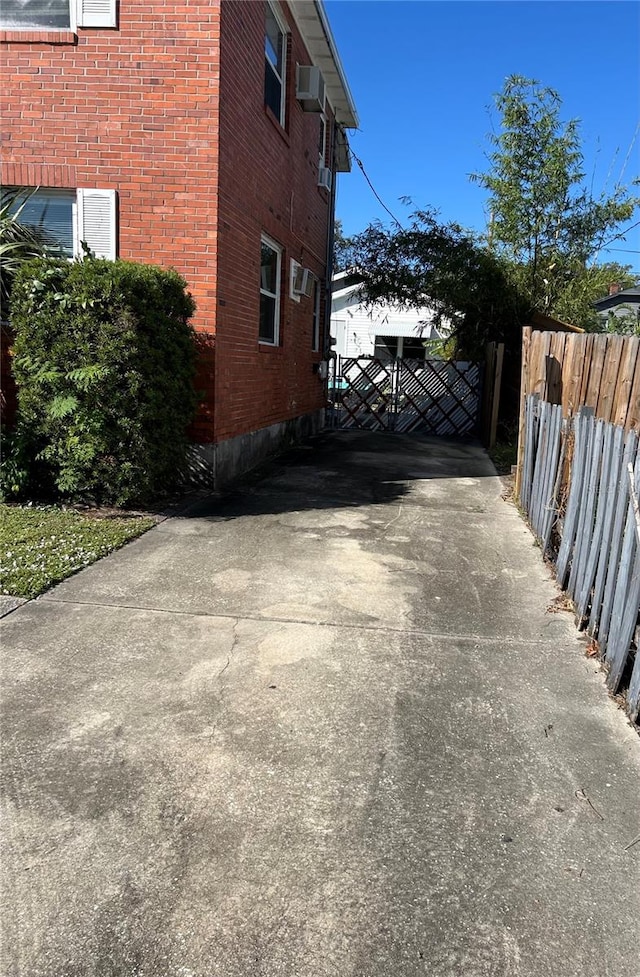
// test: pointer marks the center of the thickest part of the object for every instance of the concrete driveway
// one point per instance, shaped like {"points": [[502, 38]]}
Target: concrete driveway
{"points": [[325, 727]]}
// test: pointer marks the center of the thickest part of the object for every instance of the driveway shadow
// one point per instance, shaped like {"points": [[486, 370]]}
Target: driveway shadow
{"points": [[341, 469]]}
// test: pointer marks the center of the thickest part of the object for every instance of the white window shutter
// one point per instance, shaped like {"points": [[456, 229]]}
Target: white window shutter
{"points": [[97, 222], [96, 13]]}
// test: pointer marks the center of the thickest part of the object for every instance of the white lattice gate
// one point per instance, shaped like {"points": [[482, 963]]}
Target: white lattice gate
{"points": [[438, 397]]}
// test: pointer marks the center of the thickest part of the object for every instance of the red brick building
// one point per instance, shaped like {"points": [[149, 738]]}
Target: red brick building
{"points": [[206, 137]]}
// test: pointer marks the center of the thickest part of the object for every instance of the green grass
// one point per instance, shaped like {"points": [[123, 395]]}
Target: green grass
{"points": [[41, 546], [504, 454]]}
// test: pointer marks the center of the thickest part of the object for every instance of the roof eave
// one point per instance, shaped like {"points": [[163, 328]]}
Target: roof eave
{"points": [[311, 18]]}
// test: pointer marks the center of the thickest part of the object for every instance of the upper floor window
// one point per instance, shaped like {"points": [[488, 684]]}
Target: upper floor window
{"points": [[275, 52], [322, 141], [270, 272], [28, 15]]}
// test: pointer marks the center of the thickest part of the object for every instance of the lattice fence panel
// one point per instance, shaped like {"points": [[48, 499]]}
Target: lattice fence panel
{"points": [[367, 400], [429, 396]]}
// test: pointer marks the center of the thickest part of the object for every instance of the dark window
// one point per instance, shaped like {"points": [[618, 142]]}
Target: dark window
{"points": [[413, 348], [274, 60], [35, 14], [386, 347], [50, 212], [270, 264]]}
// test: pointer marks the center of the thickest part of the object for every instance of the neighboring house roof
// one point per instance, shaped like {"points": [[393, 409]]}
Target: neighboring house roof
{"points": [[626, 296], [314, 27]]}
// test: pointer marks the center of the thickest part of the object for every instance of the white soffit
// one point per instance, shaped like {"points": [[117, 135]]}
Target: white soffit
{"points": [[312, 23]]}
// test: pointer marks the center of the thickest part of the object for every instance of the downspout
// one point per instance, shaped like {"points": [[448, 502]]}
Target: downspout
{"points": [[330, 237], [327, 350]]}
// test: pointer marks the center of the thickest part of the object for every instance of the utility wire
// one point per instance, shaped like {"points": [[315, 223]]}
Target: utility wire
{"points": [[622, 233], [373, 189]]}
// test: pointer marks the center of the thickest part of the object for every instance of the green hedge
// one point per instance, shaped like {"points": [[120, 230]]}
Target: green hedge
{"points": [[104, 360]]}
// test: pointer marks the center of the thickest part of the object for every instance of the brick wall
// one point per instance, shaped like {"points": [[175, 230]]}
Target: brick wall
{"points": [[173, 118], [268, 183], [133, 109]]}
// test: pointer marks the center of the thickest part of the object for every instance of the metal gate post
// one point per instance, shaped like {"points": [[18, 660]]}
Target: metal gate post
{"points": [[395, 394]]}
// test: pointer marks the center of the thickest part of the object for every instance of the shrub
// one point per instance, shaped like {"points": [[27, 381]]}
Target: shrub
{"points": [[18, 241], [104, 359]]}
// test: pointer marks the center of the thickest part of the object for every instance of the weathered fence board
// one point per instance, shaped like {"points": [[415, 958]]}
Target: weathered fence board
{"points": [[624, 617], [598, 555], [581, 370], [628, 368], [622, 504], [602, 505], [587, 508], [633, 696], [575, 490]]}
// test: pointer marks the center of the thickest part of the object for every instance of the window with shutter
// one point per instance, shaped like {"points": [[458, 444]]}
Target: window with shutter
{"points": [[66, 218]]}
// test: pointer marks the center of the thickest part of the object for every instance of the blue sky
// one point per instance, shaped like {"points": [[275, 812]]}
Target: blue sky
{"points": [[423, 72]]}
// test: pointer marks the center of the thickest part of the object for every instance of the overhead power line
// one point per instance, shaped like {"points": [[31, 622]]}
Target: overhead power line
{"points": [[373, 189], [621, 235]]}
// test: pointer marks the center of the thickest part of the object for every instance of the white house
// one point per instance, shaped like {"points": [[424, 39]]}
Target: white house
{"points": [[384, 330]]}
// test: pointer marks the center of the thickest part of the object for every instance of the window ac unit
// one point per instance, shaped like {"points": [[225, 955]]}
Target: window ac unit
{"points": [[302, 280], [310, 88], [324, 177]]}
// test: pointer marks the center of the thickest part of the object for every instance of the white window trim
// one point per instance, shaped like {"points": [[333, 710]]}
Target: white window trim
{"points": [[323, 153], [293, 267], [282, 24], [277, 295]]}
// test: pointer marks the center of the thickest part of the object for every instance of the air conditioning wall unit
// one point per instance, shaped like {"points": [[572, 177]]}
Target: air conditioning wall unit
{"points": [[325, 177], [302, 280], [310, 88]]}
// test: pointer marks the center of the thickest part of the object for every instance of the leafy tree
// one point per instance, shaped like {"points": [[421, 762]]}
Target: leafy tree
{"points": [[625, 320], [544, 219], [575, 302], [342, 248], [441, 266]]}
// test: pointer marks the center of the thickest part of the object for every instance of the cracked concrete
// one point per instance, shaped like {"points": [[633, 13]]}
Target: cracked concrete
{"points": [[325, 726]]}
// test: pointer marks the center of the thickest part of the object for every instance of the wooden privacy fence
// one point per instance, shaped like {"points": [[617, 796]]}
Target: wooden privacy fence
{"points": [[600, 371], [579, 485]]}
